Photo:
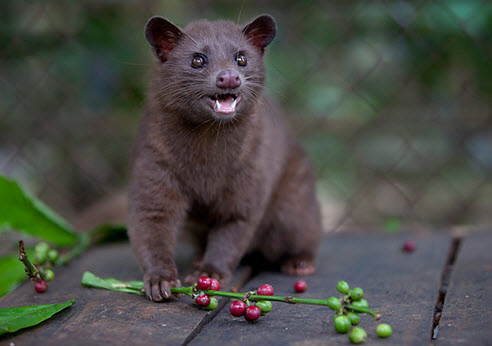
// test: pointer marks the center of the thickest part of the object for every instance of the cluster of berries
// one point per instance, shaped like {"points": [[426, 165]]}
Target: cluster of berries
{"points": [[345, 318], [204, 283], [252, 310], [44, 255]]}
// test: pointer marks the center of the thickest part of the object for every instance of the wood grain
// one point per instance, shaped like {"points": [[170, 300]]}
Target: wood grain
{"points": [[467, 313], [99, 316], [402, 286]]}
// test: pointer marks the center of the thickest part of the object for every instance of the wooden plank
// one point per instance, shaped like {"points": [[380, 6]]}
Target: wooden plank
{"points": [[467, 313], [402, 286], [99, 316]]}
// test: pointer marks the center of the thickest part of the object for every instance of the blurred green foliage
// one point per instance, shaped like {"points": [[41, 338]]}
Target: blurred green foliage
{"points": [[391, 99]]}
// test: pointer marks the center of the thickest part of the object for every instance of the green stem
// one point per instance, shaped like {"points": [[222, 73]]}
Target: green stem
{"points": [[90, 279], [81, 246], [375, 314], [286, 299], [31, 270], [182, 290]]}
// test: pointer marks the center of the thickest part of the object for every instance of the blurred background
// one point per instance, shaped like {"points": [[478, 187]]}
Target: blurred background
{"points": [[391, 99]]}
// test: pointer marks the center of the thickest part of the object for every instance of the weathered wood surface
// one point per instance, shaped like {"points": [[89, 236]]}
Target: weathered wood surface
{"points": [[100, 316], [402, 286], [467, 313]]}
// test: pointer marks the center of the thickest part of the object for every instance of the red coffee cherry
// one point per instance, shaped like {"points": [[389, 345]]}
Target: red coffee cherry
{"points": [[265, 290], [202, 300], [237, 308], [40, 286], [214, 285], [203, 283], [300, 286], [409, 246], [252, 313]]}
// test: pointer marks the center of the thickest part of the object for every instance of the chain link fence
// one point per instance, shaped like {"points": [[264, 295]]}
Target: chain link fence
{"points": [[391, 99]]}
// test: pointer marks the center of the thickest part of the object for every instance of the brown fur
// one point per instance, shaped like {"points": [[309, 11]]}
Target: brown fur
{"points": [[244, 176]]}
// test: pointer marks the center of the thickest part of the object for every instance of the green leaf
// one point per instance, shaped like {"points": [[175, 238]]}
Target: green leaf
{"points": [[29, 215], [11, 273], [13, 319], [90, 280]]}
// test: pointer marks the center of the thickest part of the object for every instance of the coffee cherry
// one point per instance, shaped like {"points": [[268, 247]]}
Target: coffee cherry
{"points": [[354, 318], [265, 290], [40, 258], [357, 294], [40, 286], [409, 246], [42, 248], [342, 324], [265, 306], [202, 300], [213, 304], [384, 330], [336, 314], [237, 308], [300, 286], [334, 303], [343, 287], [203, 283], [52, 255], [357, 335], [361, 304], [214, 285], [49, 275], [252, 313]]}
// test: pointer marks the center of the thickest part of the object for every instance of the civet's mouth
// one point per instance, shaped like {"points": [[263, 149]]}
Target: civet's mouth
{"points": [[225, 103]]}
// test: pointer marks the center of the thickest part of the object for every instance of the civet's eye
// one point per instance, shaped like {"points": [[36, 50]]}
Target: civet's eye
{"points": [[198, 61], [241, 59]]}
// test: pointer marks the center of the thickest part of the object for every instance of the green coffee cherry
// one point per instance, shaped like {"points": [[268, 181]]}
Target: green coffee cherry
{"points": [[343, 287], [42, 248], [354, 318], [49, 275], [342, 324], [357, 294], [52, 255], [384, 330], [357, 335], [361, 304], [336, 314], [213, 304], [40, 258], [265, 306], [334, 303]]}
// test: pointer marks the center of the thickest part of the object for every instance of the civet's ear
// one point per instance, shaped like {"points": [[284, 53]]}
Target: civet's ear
{"points": [[260, 32], [163, 36]]}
